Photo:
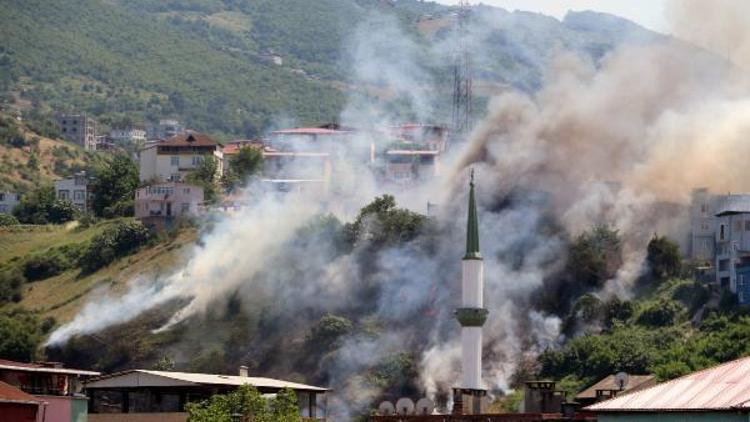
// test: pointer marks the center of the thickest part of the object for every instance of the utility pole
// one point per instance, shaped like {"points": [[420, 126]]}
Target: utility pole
{"points": [[461, 75]]}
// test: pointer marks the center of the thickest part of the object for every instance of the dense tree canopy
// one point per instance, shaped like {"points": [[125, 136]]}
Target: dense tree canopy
{"points": [[114, 187], [246, 403]]}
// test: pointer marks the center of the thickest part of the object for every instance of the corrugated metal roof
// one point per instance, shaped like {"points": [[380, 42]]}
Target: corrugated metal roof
{"points": [[635, 382], [181, 378], [310, 131], [11, 394], [723, 387]]}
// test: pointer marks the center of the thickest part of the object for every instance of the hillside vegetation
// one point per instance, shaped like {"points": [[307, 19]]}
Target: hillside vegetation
{"points": [[215, 64], [28, 158]]}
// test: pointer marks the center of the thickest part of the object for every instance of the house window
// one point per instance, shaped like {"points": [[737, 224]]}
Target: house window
{"points": [[79, 195], [704, 209], [723, 264], [721, 232], [63, 194], [747, 225], [3, 208], [738, 226], [186, 191], [2, 197], [175, 160], [185, 208], [73, 130], [197, 160]]}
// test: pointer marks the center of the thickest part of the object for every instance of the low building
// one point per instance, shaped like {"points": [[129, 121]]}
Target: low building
{"points": [[8, 201], [174, 158], [721, 393], [17, 406], [158, 205], [127, 136], [165, 129], [75, 189], [609, 387], [162, 395], [79, 129], [58, 387]]}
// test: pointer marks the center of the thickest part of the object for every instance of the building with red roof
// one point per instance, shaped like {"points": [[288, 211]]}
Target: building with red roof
{"points": [[15, 405], [59, 389], [174, 158]]}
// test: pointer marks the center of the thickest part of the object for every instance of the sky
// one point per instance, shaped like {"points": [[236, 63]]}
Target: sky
{"points": [[648, 13]]}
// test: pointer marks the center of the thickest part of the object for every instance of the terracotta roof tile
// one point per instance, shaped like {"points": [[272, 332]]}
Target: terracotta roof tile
{"points": [[11, 394]]}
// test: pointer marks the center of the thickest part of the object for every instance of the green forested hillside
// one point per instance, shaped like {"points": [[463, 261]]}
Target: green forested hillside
{"points": [[97, 56], [240, 67]]}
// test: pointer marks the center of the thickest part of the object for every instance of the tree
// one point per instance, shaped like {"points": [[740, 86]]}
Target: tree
{"points": [[164, 364], [329, 329], [247, 162], [595, 256], [382, 222], [663, 258], [205, 176], [62, 211], [114, 187], [247, 402], [19, 335], [35, 205]]}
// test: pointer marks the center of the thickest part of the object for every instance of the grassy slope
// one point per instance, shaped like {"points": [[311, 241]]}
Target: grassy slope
{"points": [[63, 295]]}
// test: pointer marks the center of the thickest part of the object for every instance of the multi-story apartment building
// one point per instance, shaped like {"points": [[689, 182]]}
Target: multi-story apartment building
{"points": [[732, 239], [79, 129], [8, 201], [173, 159], [75, 188], [165, 129]]}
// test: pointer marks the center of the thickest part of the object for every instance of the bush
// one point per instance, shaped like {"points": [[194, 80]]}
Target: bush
{"points": [[114, 242], [249, 403], [62, 211], [52, 262], [595, 256], [661, 313], [11, 280], [329, 329], [381, 222], [7, 220]]}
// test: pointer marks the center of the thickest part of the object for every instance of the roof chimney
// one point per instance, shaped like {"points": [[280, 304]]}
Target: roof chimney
{"points": [[244, 371]]}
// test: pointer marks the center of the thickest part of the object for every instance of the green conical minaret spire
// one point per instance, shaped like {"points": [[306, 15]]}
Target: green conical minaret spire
{"points": [[472, 228]]}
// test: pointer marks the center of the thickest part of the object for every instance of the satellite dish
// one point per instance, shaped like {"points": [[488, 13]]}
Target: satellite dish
{"points": [[405, 406], [425, 406], [621, 380], [386, 409]]}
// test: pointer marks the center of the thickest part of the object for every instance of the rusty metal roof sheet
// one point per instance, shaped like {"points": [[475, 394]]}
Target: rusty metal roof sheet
{"points": [[723, 387]]}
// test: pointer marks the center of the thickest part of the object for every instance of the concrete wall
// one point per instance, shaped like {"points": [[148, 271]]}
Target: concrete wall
{"points": [[138, 417], [675, 417]]}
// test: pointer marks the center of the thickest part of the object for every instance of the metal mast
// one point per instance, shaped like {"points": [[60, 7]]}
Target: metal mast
{"points": [[461, 75]]}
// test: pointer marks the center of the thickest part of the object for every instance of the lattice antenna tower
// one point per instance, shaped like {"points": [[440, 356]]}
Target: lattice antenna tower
{"points": [[462, 74]]}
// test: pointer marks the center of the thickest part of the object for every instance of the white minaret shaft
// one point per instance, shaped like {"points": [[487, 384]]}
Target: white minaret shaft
{"points": [[472, 315]]}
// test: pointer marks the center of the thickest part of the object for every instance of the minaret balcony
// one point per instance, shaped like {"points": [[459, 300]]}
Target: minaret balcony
{"points": [[471, 317]]}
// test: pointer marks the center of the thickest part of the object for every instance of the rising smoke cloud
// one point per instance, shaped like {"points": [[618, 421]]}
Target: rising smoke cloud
{"points": [[604, 141]]}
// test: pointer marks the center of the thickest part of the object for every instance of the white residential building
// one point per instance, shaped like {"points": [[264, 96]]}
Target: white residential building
{"points": [[75, 189], [129, 135], [174, 158], [8, 201]]}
